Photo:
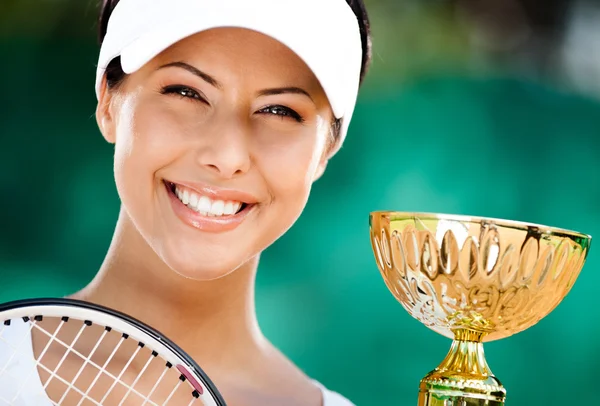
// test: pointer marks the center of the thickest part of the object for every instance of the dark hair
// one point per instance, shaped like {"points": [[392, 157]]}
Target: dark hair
{"points": [[114, 72]]}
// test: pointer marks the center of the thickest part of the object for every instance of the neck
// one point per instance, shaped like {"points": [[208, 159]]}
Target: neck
{"points": [[214, 321]]}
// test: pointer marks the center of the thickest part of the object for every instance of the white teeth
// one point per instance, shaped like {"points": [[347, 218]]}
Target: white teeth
{"points": [[228, 209], [217, 207], [205, 205]]}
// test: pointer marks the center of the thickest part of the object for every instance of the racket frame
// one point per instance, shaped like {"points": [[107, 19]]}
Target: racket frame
{"points": [[121, 322]]}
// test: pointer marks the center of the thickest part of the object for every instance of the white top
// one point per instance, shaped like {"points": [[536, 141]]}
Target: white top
{"points": [[19, 373], [333, 398]]}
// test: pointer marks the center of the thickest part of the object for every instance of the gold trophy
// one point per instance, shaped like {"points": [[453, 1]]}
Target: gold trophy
{"points": [[473, 280]]}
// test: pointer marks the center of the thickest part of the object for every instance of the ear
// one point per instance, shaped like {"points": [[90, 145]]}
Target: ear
{"points": [[330, 150], [104, 117], [320, 169]]}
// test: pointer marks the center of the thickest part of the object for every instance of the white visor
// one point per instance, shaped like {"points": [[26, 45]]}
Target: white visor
{"points": [[323, 33]]}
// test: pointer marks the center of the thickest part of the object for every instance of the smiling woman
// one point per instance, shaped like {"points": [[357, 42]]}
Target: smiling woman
{"points": [[222, 116], [212, 118]]}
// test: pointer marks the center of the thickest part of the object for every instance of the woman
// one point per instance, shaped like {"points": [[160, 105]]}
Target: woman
{"points": [[222, 115]]}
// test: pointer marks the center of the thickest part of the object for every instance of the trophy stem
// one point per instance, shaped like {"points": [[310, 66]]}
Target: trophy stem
{"points": [[464, 377]]}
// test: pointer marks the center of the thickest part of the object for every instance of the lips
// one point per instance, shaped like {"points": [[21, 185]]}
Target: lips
{"points": [[206, 205], [207, 208]]}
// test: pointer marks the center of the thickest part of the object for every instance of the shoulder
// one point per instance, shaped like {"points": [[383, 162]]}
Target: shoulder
{"points": [[331, 398]]}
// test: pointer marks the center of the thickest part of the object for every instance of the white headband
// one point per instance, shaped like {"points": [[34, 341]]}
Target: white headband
{"points": [[323, 33]]}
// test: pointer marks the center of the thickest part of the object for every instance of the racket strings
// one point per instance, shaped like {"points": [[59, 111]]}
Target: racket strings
{"points": [[74, 378]]}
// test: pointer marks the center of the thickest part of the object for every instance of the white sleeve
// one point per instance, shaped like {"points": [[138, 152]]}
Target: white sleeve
{"points": [[331, 398], [20, 383]]}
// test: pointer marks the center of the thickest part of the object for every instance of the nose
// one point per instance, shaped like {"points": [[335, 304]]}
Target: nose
{"points": [[224, 149]]}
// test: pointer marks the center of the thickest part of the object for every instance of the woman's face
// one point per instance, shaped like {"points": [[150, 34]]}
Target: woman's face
{"points": [[217, 143]]}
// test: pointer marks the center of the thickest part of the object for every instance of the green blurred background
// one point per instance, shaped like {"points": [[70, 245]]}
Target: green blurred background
{"points": [[487, 107]]}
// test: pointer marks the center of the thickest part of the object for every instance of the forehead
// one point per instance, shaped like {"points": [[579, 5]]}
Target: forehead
{"points": [[241, 51]]}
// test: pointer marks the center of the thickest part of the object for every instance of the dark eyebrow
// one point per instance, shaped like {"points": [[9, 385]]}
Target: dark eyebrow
{"points": [[212, 81], [204, 76], [283, 90]]}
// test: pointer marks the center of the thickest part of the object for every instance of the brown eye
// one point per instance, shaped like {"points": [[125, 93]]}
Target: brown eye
{"points": [[182, 91], [282, 112]]}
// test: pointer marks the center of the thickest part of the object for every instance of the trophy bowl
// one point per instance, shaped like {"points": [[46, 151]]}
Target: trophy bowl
{"points": [[473, 280]]}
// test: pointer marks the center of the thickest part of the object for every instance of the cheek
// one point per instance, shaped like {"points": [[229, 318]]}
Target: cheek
{"points": [[292, 170], [147, 140]]}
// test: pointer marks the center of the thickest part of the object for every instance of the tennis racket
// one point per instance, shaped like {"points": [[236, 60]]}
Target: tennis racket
{"points": [[69, 352]]}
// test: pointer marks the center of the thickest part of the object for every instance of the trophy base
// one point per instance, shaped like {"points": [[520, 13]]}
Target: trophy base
{"points": [[463, 378], [436, 399], [443, 395]]}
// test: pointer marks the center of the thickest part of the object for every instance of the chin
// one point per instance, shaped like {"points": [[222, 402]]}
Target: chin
{"points": [[204, 264], [202, 274]]}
